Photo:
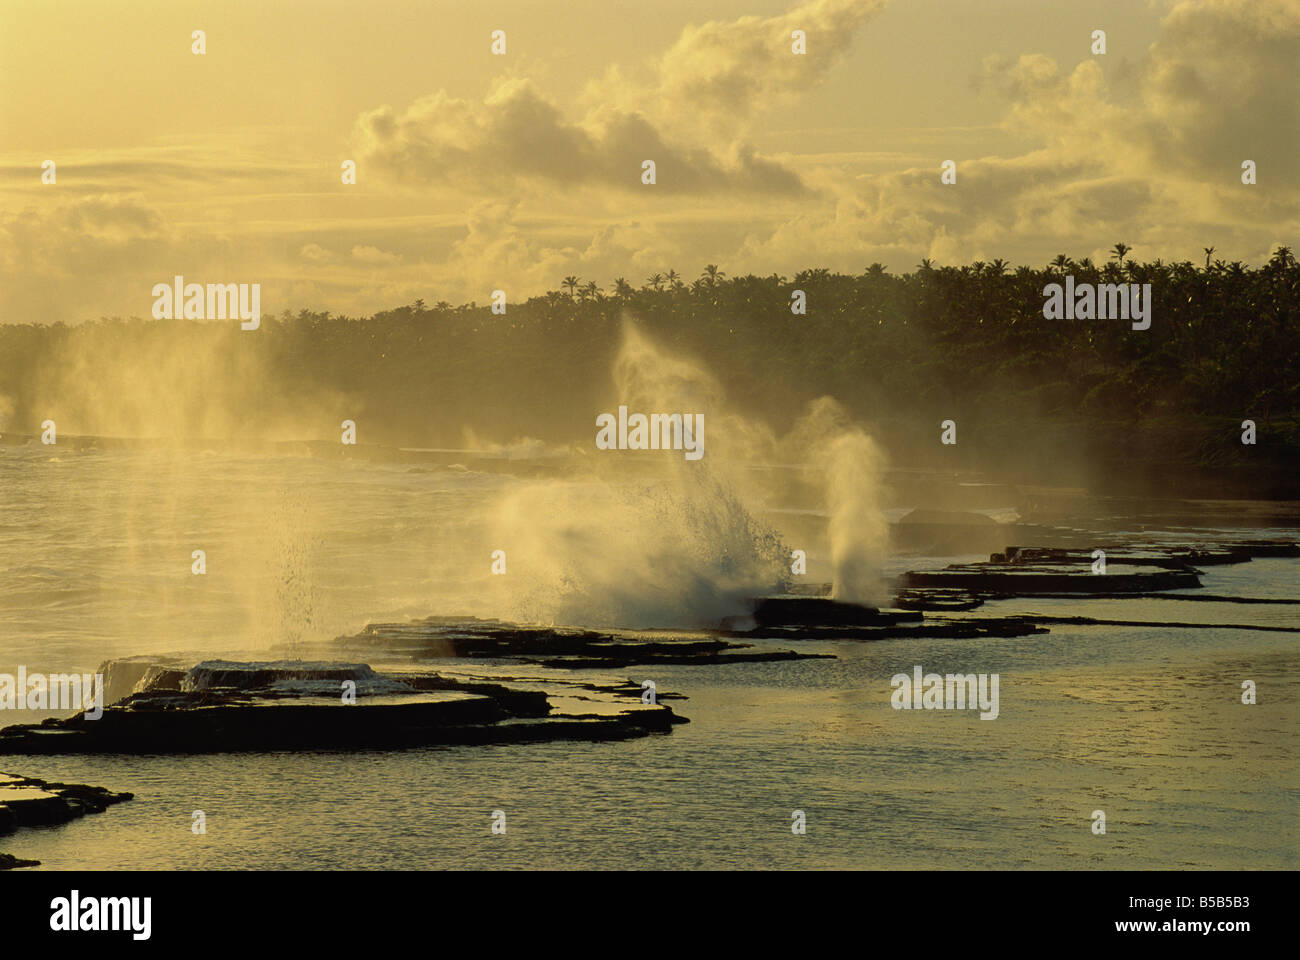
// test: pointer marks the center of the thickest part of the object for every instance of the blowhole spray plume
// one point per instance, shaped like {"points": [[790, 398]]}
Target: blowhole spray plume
{"points": [[686, 547]]}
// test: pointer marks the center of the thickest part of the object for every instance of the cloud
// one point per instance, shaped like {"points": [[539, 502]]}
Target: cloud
{"points": [[1152, 158], [316, 253], [368, 254], [721, 75], [706, 89], [516, 137], [76, 251], [514, 190], [1220, 86]]}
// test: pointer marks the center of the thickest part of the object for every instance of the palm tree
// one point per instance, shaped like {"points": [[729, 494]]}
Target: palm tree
{"points": [[998, 267], [1119, 251], [622, 288], [571, 283], [816, 275], [1061, 263], [656, 281], [1208, 252], [712, 274]]}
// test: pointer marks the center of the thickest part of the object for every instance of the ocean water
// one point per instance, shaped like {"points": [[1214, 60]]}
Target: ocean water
{"points": [[1145, 724]]}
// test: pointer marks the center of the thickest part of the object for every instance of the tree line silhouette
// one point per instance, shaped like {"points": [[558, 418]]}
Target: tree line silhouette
{"points": [[900, 351]]}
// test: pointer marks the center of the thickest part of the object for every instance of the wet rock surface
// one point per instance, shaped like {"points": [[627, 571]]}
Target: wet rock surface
{"points": [[800, 617], [464, 680], [1147, 570], [793, 610], [220, 706], [785, 618], [560, 647], [29, 802], [1012, 580]]}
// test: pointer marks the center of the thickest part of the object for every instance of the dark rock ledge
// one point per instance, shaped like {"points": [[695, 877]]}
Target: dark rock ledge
{"points": [[28, 802], [164, 706], [1132, 570], [785, 618], [564, 647]]}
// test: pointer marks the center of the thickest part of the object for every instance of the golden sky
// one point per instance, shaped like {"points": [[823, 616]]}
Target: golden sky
{"points": [[477, 171]]}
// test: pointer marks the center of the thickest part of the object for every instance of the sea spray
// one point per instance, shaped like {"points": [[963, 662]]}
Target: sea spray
{"points": [[850, 466], [631, 553], [684, 547], [615, 547], [857, 530]]}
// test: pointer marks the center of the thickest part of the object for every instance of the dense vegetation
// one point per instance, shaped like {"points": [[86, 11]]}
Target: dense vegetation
{"points": [[1062, 398]]}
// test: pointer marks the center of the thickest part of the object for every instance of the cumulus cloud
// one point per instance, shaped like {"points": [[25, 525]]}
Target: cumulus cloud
{"points": [[1152, 158], [721, 75], [76, 250], [516, 136], [316, 253], [514, 190], [1219, 86], [1149, 153], [501, 250], [369, 254], [706, 90]]}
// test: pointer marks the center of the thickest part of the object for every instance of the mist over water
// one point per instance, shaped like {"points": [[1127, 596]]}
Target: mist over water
{"points": [[302, 547], [169, 380]]}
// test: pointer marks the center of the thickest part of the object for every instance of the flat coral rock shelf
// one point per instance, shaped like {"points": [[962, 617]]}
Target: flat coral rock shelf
{"points": [[1021, 580], [1053, 571], [220, 706], [28, 802], [563, 647]]}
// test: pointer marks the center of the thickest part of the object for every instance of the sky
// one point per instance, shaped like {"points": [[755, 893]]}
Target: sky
{"points": [[477, 171]]}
